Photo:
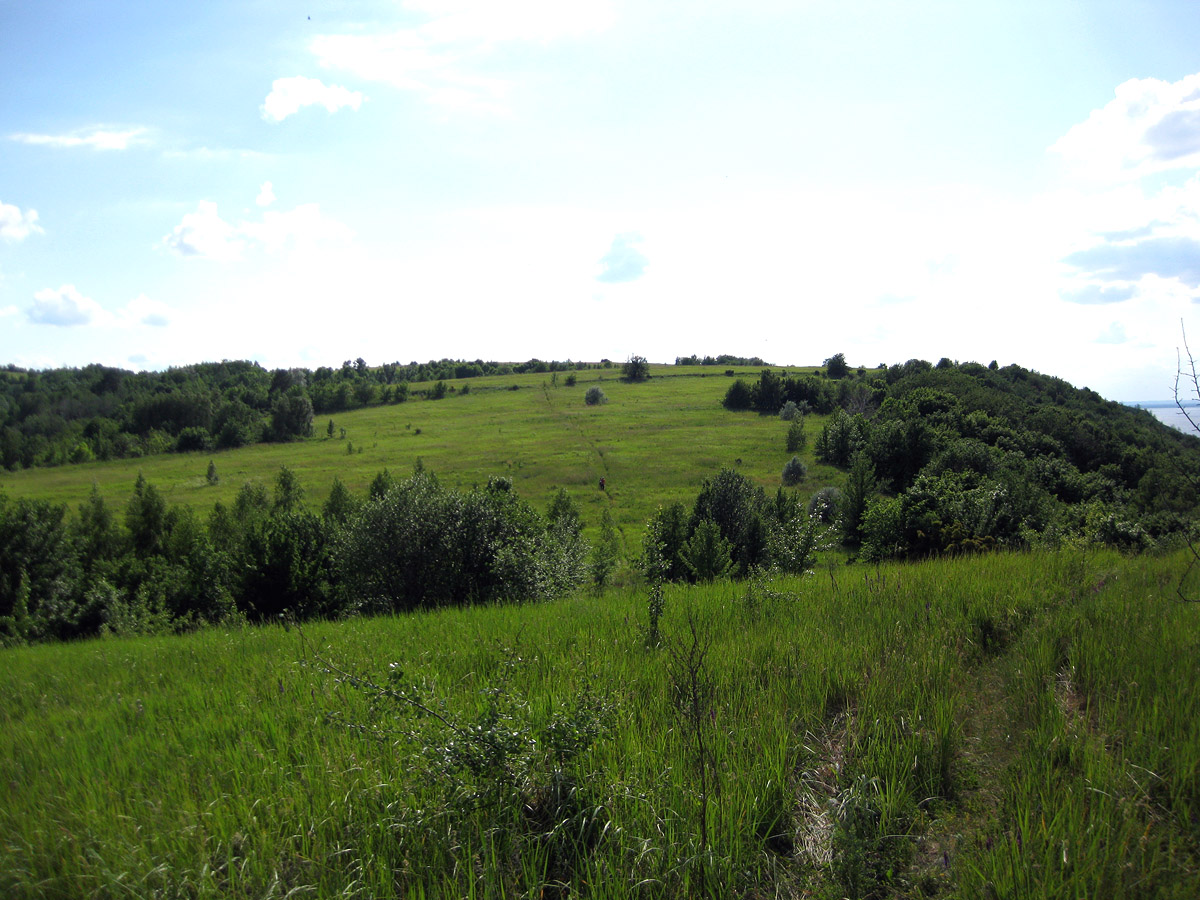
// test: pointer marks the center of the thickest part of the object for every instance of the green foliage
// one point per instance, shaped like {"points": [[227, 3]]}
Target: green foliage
{"points": [[606, 552], [855, 723], [842, 437], [340, 506], [421, 545], [662, 544], [211, 476], [856, 496], [794, 472], [795, 543], [595, 396], [836, 366], [635, 369], [291, 416], [563, 515], [706, 553], [797, 437], [737, 396]]}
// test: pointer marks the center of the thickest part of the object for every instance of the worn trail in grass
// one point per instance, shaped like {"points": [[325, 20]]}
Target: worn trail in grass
{"points": [[1008, 725], [654, 442]]}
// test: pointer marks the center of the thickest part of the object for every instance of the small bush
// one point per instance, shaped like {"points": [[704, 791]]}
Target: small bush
{"points": [[789, 411], [825, 504], [193, 438], [794, 471], [738, 396], [594, 397], [571, 380], [797, 438]]}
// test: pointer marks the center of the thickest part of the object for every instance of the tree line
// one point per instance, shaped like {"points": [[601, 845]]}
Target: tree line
{"points": [[408, 544], [949, 458], [60, 416]]}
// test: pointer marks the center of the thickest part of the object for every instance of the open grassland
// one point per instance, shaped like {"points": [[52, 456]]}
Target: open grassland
{"points": [[654, 442], [1023, 725]]}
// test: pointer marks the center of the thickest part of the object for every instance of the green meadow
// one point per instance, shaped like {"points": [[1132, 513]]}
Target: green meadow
{"points": [[1013, 725], [654, 443]]}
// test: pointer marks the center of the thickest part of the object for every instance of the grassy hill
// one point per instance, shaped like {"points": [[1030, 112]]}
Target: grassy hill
{"points": [[653, 442], [1011, 725], [1002, 724]]}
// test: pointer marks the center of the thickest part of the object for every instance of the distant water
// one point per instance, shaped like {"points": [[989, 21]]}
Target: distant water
{"points": [[1169, 413]]}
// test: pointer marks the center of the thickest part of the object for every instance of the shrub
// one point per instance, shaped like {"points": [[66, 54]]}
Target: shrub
{"points": [[194, 437], [571, 380], [594, 397], [797, 438], [825, 504], [789, 411], [636, 369], [794, 471], [738, 396]]}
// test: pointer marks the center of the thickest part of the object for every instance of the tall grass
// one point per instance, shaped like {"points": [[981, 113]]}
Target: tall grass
{"points": [[1008, 725]]}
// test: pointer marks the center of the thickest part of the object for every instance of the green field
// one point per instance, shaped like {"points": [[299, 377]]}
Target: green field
{"points": [[654, 443], [1012, 724], [1016, 725]]}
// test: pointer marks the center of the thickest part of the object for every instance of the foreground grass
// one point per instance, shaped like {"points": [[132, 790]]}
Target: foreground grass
{"points": [[1010, 725], [653, 442]]}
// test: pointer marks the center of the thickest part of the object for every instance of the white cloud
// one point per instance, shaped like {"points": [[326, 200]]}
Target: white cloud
{"points": [[443, 57], [206, 235], [289, 95], [16, 225], [64, 306], [624, 261], [266, 195], [303, 226], [8, 311], [1150, 126], [97, 138], [1113, 334], [144, 311]]}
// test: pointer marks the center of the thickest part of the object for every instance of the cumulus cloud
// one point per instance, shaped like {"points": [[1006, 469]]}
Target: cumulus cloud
{"points": [[1167, 256], [303, 226], [97, 138], [1149, 126], [204, 234], [144, 311], [266, 195], [16, 225], [623, 261], [441, 58], [64, 306], [1098, 294], [289, 95]]}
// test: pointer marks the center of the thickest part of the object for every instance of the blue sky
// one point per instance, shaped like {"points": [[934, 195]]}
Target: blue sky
{"points": [[306, 183]]}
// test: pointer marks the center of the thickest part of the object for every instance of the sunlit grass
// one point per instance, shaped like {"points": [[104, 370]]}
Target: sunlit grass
{"points": [[653, 442], [1025, 724]]}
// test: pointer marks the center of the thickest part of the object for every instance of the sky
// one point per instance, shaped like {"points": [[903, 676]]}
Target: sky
{"points": [[305, 183]]}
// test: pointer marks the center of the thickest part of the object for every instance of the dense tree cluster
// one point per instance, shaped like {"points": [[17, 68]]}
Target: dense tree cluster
{"points": [[409, 544], [731, 528], [953, 458], [61, 416], [723, 360], [772, 391]]}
